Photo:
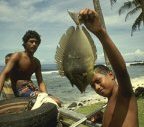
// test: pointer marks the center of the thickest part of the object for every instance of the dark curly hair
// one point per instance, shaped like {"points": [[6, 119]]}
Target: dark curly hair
{"points": [[31, 34], [9, 55], [102, 69]]}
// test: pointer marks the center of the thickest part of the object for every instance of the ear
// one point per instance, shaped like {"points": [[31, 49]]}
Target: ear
{"points": [[111, 74]]}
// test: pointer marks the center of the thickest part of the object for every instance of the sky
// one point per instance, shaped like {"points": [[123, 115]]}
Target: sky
{"points": [[51, 20]]}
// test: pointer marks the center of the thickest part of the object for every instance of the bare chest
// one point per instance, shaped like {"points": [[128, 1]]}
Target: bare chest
{"points": [[27, 64], [120, 112], [24, 68]]}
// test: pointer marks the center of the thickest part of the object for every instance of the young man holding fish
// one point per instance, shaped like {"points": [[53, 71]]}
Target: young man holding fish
{"points": [[121, 110]]}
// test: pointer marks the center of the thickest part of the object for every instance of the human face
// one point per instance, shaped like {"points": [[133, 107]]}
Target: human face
{"points": [[32, 45], [102, 84]]}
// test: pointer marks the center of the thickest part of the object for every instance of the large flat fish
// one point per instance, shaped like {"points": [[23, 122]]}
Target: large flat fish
{"points": [[76, 55]]}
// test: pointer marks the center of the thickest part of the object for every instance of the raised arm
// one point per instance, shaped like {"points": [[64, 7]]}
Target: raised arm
{"points": [[8, 67], [41, 84], [92, 22]]}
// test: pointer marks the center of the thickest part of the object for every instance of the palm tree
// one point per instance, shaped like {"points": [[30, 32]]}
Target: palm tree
{"points": [[133, 7], [139, 4], [97, 7]]}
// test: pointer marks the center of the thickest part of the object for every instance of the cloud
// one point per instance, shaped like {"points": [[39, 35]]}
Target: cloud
{"points": [[56, 12], [17, 11], [50, 19], [112, 17], [137, 52], [22, 12], [29, 11]]}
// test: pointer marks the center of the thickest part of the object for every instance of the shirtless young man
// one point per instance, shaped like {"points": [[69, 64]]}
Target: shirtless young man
{"points": [[22, 65], [121, 110]]}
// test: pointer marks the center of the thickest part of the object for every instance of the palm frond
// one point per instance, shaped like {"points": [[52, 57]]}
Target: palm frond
{"points": [[113, 1], [132, 12], [138, 1], [127, 5], [137, 23]]}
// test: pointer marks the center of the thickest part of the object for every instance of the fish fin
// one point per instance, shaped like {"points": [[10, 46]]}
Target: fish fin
{"points": [[61, 48], [74, 16], [91, 42]]}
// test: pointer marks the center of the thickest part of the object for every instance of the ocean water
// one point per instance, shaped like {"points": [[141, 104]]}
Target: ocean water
{"points": [[61, 87]]}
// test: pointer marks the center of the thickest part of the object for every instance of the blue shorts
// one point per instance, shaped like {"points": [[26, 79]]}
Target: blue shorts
{"points": [[26, 90]]}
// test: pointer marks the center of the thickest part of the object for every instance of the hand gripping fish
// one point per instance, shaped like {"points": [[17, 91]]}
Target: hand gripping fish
{"points": [[76, 55]]}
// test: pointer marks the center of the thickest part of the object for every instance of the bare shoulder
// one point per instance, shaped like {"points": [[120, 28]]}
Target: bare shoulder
{"points": [[37, 61], [16, 56]]}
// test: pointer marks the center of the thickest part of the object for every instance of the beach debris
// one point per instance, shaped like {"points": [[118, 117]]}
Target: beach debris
{"points": [[139, 92], [97, 117], [73, 104], [76, 55]]}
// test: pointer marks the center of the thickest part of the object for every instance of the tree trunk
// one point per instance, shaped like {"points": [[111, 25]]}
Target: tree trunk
{"points": [[97, 8]]}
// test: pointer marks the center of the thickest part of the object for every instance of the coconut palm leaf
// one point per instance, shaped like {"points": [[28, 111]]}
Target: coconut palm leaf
{"points": [[137, 23], [113, 1], [132, 12], [127, 5], [133, 7]]}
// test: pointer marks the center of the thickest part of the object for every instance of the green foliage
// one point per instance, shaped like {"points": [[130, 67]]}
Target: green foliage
{"points": [[91, 108], [133, 7], [141, 112]]}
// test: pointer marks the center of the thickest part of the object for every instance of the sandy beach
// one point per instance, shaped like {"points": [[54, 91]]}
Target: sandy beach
{"points": [[137, 82], [95, 98]]}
